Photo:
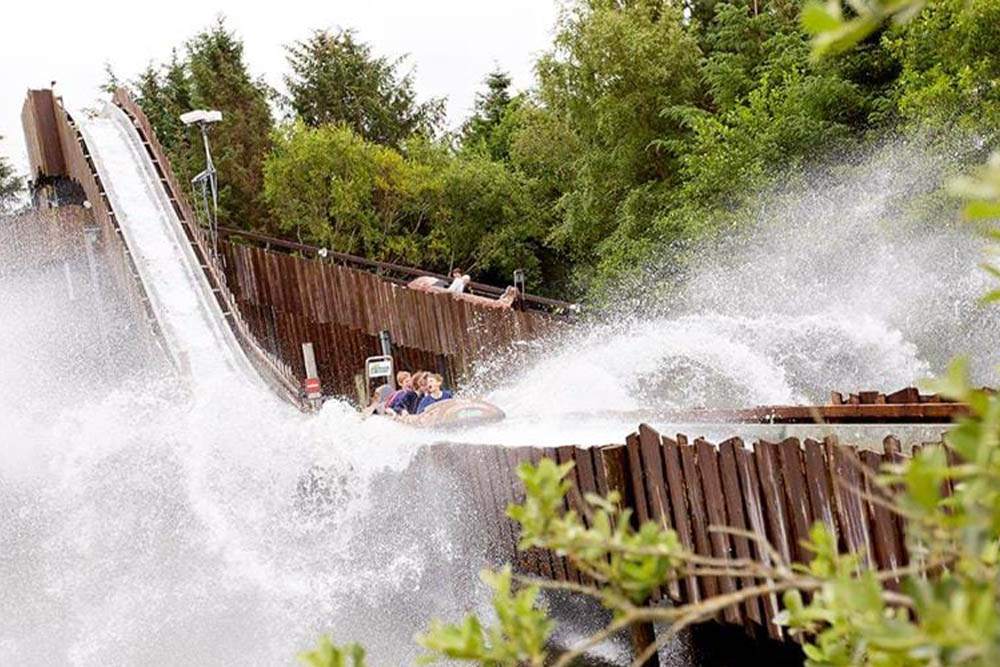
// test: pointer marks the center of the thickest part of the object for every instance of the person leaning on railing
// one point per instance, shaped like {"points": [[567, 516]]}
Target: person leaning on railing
{"points": [[459, 281]]}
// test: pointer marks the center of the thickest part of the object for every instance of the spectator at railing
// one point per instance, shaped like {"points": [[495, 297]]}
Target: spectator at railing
{"points": [[459, 281]]}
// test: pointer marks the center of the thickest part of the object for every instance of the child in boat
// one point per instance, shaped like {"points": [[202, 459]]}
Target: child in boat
{"points": [[434, 392], [405, 400], [402, 377]]}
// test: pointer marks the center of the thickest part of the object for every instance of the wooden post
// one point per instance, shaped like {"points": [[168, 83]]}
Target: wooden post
{"points": [[616, 472]]}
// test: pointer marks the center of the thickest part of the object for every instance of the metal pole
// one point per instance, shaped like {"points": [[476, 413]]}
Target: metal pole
{"points": [[385, 342], [213, 184], [313, 386]]}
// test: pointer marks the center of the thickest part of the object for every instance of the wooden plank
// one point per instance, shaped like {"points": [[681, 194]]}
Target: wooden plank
{"points": [[819, 485], [850, 511], [796, 497], [699, 515], [543, 557], [527, 560], [564, 568], [779, 530], [679, 505], [733, 493], [746, 464], [638, 486], [574, 498], [502, 489], [888, 542], [656, 489], [715, 506]]}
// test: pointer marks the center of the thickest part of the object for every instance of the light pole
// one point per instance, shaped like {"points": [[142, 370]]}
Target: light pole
{"points": [[207, 178]]}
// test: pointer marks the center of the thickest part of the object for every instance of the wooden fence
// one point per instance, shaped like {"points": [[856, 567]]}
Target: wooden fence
{"points": [[774, 489], [290, 300]]}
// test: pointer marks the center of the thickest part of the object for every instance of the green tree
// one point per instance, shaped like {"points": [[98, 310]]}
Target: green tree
{"points": [[614, 68], [164, 93], [485, 129], [336, 79], [950, 57], [11, 184], [487, 222], [329, 186], [219, 79]]}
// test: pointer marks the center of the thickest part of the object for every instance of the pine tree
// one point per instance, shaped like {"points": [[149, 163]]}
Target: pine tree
{"points": [[336, 79], [219, 79], [479, 132], [164, 93]]}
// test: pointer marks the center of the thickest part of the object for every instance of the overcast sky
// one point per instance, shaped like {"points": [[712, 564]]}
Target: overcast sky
{"points": [[451, 43]]}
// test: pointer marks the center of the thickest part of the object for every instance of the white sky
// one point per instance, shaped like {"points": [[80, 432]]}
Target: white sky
{"points": [[452, 44]]}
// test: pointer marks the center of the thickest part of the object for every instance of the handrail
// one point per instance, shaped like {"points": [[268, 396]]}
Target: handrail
{"points": [[474, 287]]}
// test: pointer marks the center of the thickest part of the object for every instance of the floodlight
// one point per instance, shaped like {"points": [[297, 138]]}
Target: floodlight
{"points": [[199, 116]]}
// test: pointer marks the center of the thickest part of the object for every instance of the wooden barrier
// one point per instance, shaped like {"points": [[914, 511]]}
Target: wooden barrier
{"points": [[394, 272], [773, 489], [291, 300], [49, 128]]}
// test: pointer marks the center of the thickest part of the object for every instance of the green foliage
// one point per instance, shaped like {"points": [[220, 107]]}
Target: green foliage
{"points": [[336, 80], [219, 79], [426, 207], [649, 129], [485, 130], [518, 639], [164, 93], [950, 56], [327, 655], [11, 185], [614, 67], [833, 32]]}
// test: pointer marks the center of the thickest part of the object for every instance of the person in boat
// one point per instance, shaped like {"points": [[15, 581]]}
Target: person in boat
{"points": [[402, 379], [378, 402], [434, 392], [405, 400], [459, 281]]}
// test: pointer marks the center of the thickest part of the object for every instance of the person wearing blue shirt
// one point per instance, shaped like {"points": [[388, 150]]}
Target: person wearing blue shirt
{"points": [[434, 393], [405, 400]]}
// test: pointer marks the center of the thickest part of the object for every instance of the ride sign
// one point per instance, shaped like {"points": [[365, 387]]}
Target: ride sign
{"points": [[379, 367]]}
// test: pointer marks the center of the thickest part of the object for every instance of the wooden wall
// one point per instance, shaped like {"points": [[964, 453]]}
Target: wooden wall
{"points": [[774, 489], [290, 300]]}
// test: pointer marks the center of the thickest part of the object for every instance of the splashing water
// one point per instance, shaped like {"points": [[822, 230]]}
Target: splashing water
{"points": [[145, 522]]}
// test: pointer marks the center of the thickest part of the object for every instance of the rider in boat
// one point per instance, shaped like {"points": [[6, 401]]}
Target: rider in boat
{"points": [[434, 392], [405, 400]]}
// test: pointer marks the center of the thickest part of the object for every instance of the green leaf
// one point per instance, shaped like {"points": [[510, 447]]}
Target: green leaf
{"points": [[818, 17], [982, 210]]}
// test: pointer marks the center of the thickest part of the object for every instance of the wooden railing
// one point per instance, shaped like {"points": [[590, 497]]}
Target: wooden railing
{"points": [[396, 273]]}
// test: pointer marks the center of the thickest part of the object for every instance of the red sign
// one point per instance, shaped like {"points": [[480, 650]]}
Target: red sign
{"points": [[312, 385]]}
